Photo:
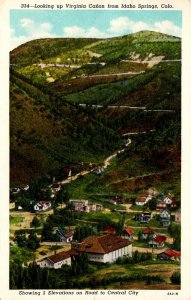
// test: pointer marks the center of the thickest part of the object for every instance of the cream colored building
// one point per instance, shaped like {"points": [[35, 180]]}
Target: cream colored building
{"points": [[104, 248], [55, 261]]}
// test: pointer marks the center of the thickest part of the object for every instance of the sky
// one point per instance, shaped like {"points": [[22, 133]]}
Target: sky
{"points": [[27, 25]]}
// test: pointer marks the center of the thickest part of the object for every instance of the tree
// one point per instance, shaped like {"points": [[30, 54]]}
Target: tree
{"points": [[35, 222], [80, 265], [33, 242], [35, 190], [47, 232], [121, 225], [62, 197], [152, 204], [175, 278], [21, 239]]}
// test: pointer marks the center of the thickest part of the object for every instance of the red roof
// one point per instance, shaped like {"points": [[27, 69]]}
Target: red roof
{"points": [[109, 229], [148, 230], [160, 238], [144, 194], [172, 253], [58, 257], [128, 230], [103, 244], [69, 234], [169, 197]]}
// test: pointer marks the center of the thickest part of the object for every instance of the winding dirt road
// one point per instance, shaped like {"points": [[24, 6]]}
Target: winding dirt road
{"points": [[106, 163]]}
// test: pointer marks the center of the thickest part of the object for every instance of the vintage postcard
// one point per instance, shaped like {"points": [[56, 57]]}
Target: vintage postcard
{"points": [[95, 151]]}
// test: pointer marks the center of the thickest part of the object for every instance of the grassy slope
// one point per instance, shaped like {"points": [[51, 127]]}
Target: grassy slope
{"points": [[79, 52], [46, 135], [158, 88]]}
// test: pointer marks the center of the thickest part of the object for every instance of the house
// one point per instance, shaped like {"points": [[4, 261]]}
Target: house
{"points": [[128, 233], [93, 207], [169, 255], [99, 171], [104, 248], [143, 199], [82, 205], [177, 216], [174, 204], [168, 199], [161, 205], [148, 232], [55, 261], [14, 191], [64, 235], [42, 205], [109, 230], [157, 241], [165, 218], [79, 205], [118, 199], [143, 217], [56, 188]]}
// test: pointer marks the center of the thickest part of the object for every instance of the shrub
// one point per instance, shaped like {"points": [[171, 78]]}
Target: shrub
{"points": [[175, 278]]}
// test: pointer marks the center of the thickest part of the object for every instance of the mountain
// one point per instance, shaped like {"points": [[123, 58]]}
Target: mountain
{"points": [[79, 57], [46, 135], [49, 130]]}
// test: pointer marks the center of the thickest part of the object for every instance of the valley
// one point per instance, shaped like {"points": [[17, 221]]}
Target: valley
{"points": [[95, 163]]}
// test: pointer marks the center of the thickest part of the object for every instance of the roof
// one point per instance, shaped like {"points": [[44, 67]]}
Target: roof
{"points": [[160, 238], [103, 244], [58, 257], [148, 230], [169, 197], [44, 202], [141, 199], [109, 229], [161, 202], [128, 230], [171, 253], [68, 234], [165, 211], [62, 231], [144, 194]]}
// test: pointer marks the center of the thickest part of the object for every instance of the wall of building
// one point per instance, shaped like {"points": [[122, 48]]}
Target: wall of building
{"points": [[112, 256], [46, 263]]}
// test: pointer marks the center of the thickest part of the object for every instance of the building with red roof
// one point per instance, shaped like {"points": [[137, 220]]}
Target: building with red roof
{"points": [[148, 232], [109, 230], [128, 233], [169, 254], [104, 248], [157, 241], [55, 261]]}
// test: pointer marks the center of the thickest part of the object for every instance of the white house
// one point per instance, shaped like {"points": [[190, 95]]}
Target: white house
{"points": [[55, 261], [42, 206], [165, 214], [177, 216], [143, 199], [165, 218], [55, 188], [64, 235], [82, 205], [104, 248], [168, 199]]}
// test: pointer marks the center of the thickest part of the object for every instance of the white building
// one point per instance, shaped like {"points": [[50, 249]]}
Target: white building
{"points": [[143, 199], [55, 261], [104, 248], [65, 235], [42, 206], [168, 199]]}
